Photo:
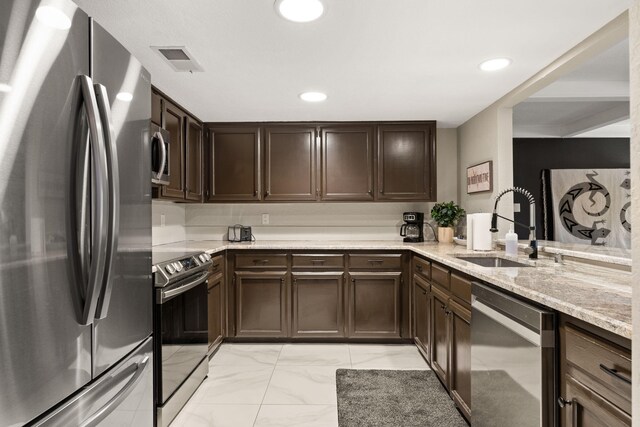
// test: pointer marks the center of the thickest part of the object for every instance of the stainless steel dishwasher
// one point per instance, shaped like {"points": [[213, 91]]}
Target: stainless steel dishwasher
{"points": [[513, 368]]}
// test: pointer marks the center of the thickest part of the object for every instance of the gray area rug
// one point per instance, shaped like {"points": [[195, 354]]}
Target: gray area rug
{"points": [[394, 398]]}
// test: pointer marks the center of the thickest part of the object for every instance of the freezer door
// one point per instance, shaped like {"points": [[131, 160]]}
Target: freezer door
{"points": [[122, 397], [124, 314], [45, 351]]}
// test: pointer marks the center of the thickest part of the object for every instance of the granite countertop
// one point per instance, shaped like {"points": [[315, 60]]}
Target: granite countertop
{"points": [[594, 293]]}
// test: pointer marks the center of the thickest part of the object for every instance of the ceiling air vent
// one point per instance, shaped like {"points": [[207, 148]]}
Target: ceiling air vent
{"points": [[178, 57]]}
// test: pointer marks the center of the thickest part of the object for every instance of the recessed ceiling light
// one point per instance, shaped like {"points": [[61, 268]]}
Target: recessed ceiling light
{"points": [[124, 96], [495, 64], [300, 10], [5, 87], [313, 96], [53, 17]]}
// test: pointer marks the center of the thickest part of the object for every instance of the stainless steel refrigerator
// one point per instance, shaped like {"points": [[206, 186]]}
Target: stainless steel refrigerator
{"points": [[75, 222]]}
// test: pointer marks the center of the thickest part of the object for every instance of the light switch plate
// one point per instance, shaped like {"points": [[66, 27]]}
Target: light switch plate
{"points": [[265, 219], [162, 220]]}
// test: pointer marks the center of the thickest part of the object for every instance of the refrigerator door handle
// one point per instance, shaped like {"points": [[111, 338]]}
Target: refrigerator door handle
{"points": [[111, 152], [99, 207], [107, 408]]}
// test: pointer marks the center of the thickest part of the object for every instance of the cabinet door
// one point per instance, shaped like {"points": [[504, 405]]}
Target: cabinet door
{"points": [[440, 334], [215, 308], [460, 370], [193, 162], [586, 408], [422, 314], [174, 119], [156, 109], [234, 164], [290, 163], [374, 305], [406, 162], [318, 309], [261, 304], [347, 163]]}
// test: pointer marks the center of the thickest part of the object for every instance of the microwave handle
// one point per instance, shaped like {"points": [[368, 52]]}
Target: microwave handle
{"points": [[163, 151]]}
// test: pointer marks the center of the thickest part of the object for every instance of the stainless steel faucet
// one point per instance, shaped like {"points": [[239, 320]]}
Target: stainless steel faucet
{"points": [[532, 250]]}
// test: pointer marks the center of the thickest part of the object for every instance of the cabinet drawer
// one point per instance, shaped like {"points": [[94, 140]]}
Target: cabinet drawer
{"points": [[422, 267], [217, 264], [461, 287], [313, 261], [440, 275], [375, 261], [262, 261], [608, 366]]}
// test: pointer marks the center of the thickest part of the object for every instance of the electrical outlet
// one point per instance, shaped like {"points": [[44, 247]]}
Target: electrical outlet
{"points": [[516, 207], [162, 220], [265, 219]]}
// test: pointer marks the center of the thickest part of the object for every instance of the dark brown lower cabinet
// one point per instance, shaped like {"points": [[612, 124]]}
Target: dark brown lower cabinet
{"points": [[318, 307], [460, 362], [595, 376], [440, 334], [586, 408], [374, 304], [261, 303], [215, 307], [422, 315]]}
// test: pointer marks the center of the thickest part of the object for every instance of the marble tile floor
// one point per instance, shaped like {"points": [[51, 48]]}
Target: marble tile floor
{"points": [[283, 385]]}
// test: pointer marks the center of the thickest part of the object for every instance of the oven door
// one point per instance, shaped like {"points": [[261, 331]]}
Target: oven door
{"points": [[160, 140], [181, 323]]}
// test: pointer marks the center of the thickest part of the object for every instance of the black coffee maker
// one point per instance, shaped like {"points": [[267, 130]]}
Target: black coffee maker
{"points": [[411, 230]]}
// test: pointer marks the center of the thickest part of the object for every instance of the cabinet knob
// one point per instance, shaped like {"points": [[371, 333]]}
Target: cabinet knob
{"points": [[255, 192], [562, 402], [424, 292]]}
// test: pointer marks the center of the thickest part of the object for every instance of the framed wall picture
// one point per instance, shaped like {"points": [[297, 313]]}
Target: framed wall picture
{"points": [[480, 178]]}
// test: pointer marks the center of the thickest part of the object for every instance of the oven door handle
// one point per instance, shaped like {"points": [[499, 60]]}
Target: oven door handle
{"points": [[164, 296]]}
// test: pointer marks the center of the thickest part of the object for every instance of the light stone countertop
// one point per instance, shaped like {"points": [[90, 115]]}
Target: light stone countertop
{"points": [[604, 254], [596, 294]]}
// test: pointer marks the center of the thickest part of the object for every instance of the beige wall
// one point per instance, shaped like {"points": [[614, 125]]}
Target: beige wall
{"points": [[634, 61], [489, 134], [303, 221]]}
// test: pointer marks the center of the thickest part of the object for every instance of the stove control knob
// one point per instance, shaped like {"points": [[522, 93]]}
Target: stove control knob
{"points": [[202, 258], [207, 256], [177, 266], [169, 269]]}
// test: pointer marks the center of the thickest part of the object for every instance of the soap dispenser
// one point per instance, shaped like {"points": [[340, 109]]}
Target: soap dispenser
{"points": [[511, 243]]}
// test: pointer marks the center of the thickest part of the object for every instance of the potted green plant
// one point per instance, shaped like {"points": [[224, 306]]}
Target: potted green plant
{"points": [[446, 215]]}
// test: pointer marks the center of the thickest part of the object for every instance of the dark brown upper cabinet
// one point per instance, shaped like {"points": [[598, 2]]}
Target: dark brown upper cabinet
{"points": [[156, 109], [174, 121], [406, 162], [186, 172], [347, 163], [193, 163], [234, 164], [290, 163]]}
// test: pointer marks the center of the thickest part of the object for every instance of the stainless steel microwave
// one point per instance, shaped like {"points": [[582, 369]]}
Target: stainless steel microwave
{"points": [[160, 140]]}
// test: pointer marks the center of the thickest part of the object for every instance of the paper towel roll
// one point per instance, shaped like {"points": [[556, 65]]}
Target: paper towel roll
{"points": [[482, 238], [470, 232]]}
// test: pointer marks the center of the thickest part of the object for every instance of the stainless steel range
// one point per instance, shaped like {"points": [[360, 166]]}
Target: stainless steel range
{"points": [[181, 328]]}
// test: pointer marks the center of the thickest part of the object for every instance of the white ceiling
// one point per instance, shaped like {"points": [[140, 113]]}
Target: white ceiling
{"points": [[591, 101], [376, 59]]}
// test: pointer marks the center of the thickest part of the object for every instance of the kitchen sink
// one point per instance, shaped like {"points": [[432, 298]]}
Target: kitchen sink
{"points": [[492, 261]]}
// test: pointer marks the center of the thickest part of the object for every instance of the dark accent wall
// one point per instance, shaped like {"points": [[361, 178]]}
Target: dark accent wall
{"points": [[532, 155]]}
